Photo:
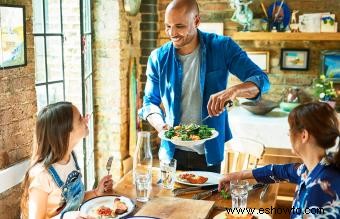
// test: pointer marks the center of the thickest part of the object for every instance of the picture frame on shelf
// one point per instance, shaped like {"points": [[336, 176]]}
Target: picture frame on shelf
{"points": [[12, 36], [294, 59], [330, 64], [260, 58]]}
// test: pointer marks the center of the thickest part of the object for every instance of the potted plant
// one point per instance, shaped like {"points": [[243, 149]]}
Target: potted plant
{"points": [[324, 90]]}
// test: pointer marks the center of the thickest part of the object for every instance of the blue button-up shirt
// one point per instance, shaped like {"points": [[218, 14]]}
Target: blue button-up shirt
{"points": [[317, 192], [219, 56]]}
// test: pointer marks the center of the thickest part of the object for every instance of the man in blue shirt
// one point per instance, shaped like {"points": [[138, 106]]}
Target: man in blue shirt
{"points": [[188, 77]]}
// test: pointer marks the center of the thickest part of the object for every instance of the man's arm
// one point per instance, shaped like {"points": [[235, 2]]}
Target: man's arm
{"points": [[152, 100], [255, 81], [157, 122]]}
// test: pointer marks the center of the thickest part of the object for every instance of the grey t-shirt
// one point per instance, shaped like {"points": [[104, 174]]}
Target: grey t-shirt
{"points": [[191, 101]]}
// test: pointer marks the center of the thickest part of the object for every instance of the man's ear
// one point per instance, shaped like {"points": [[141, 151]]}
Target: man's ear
{"points": [[197, 20]]}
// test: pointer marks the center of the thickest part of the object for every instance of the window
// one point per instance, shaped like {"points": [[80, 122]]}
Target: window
{"points": [[64, 64], [48, 41], [86, 36]]}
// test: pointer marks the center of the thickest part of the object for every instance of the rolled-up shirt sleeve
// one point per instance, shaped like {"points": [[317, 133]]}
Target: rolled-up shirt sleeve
{"points": [[240, 65], [276, 173], [152, 99]]}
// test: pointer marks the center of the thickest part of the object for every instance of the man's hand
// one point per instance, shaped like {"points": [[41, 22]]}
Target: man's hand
{"points": [[157, 122], [217, 101]]}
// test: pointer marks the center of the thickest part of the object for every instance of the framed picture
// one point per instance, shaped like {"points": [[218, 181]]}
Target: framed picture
{"points": [[294, 59], [330, 64], [211, 28], [12, 36], [260, 58]]}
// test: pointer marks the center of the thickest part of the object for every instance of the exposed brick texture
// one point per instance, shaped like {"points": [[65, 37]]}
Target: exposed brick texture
{"points": [[111, 53], [17, 115]]}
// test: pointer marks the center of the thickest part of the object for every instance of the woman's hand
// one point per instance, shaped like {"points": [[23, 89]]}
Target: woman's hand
{"points": [[104, 186], [225, 181]]}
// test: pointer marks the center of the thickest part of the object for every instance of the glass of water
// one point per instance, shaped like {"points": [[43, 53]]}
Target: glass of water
{"points": [[168, 173], [143, 186], [239, 193]]}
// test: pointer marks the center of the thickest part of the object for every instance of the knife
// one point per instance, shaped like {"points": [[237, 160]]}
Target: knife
{"points": [[180, 191], [256, 186], [227, 104], [264, 191], [108, 164], [204, 195]]}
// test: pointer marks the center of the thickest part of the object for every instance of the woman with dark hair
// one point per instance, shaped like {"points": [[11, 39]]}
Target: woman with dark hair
{"points": [[314, 128], [52, 187]]}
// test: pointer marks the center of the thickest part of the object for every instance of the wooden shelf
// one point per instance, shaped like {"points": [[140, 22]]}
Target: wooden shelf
{"points": [[285, 36]]}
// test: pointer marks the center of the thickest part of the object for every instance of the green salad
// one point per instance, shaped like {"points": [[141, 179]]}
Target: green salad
{"points": [[189, 132]]}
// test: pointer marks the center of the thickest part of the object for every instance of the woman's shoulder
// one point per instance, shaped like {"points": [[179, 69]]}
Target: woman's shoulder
{"points": [[40, 178], [38, 169]]}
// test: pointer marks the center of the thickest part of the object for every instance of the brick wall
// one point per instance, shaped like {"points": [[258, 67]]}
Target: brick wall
{"points": [[17, 115], [149, 34], [111, 53]]}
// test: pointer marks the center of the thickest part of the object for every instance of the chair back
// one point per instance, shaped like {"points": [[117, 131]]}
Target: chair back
{"points": [[242, 154]]}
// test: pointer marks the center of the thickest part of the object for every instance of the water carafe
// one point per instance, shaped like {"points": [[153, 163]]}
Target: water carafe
{"points": [[142, 160]]}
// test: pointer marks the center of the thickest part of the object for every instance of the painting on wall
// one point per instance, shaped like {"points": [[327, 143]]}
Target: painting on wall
{"points": [[294, 59], [330, 64], [260, 58], [12, 36]]}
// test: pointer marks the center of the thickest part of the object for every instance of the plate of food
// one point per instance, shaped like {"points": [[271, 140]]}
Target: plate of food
{"points": [[188, 135], [255, 215], [108, 207], [198, 178]]}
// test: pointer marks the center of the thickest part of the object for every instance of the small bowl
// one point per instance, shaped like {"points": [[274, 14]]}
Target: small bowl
{"points": [[261, 107], [285, 106]]}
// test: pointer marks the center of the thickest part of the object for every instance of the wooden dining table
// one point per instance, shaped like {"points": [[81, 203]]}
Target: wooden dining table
{"points": [[125, 187]]}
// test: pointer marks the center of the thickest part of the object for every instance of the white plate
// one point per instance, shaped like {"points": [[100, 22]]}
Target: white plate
{"points": [[187, 143], [142, 217], [213, 178], [90, 206], [256, 213]]}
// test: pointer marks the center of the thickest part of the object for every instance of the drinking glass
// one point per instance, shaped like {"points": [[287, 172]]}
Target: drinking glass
{"points": [[239, 193], [143, 187], [168, 173]]}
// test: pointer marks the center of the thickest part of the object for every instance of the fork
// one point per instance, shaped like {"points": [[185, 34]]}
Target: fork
{"points": [[227, 104], [108, 164]]}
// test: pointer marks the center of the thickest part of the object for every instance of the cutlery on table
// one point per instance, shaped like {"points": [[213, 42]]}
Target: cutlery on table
{"points": [[204, 195], [108, 164], [256, 186], [264, 191], [227, 104], [180, 191]]}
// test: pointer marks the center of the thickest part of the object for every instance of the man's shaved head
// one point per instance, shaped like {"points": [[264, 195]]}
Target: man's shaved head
{"points": [[181, 21], [190, 6]]}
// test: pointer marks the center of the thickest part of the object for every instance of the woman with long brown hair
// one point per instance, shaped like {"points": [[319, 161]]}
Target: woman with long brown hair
{"points": [[52, 185], [314, 128]]}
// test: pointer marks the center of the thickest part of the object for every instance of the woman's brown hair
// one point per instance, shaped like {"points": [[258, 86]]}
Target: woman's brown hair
{"points": [[321, 121], [53, 127]]}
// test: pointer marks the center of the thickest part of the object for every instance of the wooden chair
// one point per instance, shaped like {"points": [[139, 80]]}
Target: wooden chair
{"points": [[242, 154]]}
